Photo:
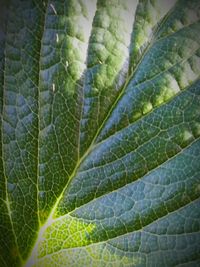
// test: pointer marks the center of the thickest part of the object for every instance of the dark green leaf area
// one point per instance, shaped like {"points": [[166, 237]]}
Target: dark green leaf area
{"points": [[136, 150]]}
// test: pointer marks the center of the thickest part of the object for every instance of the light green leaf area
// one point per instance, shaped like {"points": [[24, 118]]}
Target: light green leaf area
{"points": [[100, 133]]}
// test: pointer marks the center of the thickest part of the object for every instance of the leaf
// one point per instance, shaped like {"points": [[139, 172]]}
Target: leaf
{"points": [[100, 148]]}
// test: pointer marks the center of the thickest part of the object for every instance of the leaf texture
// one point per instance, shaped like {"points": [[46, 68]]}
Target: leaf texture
{"points": [[100, 133]]}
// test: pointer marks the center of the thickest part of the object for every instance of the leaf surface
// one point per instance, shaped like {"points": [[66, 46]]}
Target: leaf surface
{"points": [[100, 133]]}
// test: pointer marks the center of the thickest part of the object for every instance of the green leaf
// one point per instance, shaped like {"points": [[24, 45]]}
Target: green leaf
{"points": [[100, 133]]}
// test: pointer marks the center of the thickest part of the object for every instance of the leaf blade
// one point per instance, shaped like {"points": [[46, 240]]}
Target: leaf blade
{"points": [[20, 122], [104, 177]]}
